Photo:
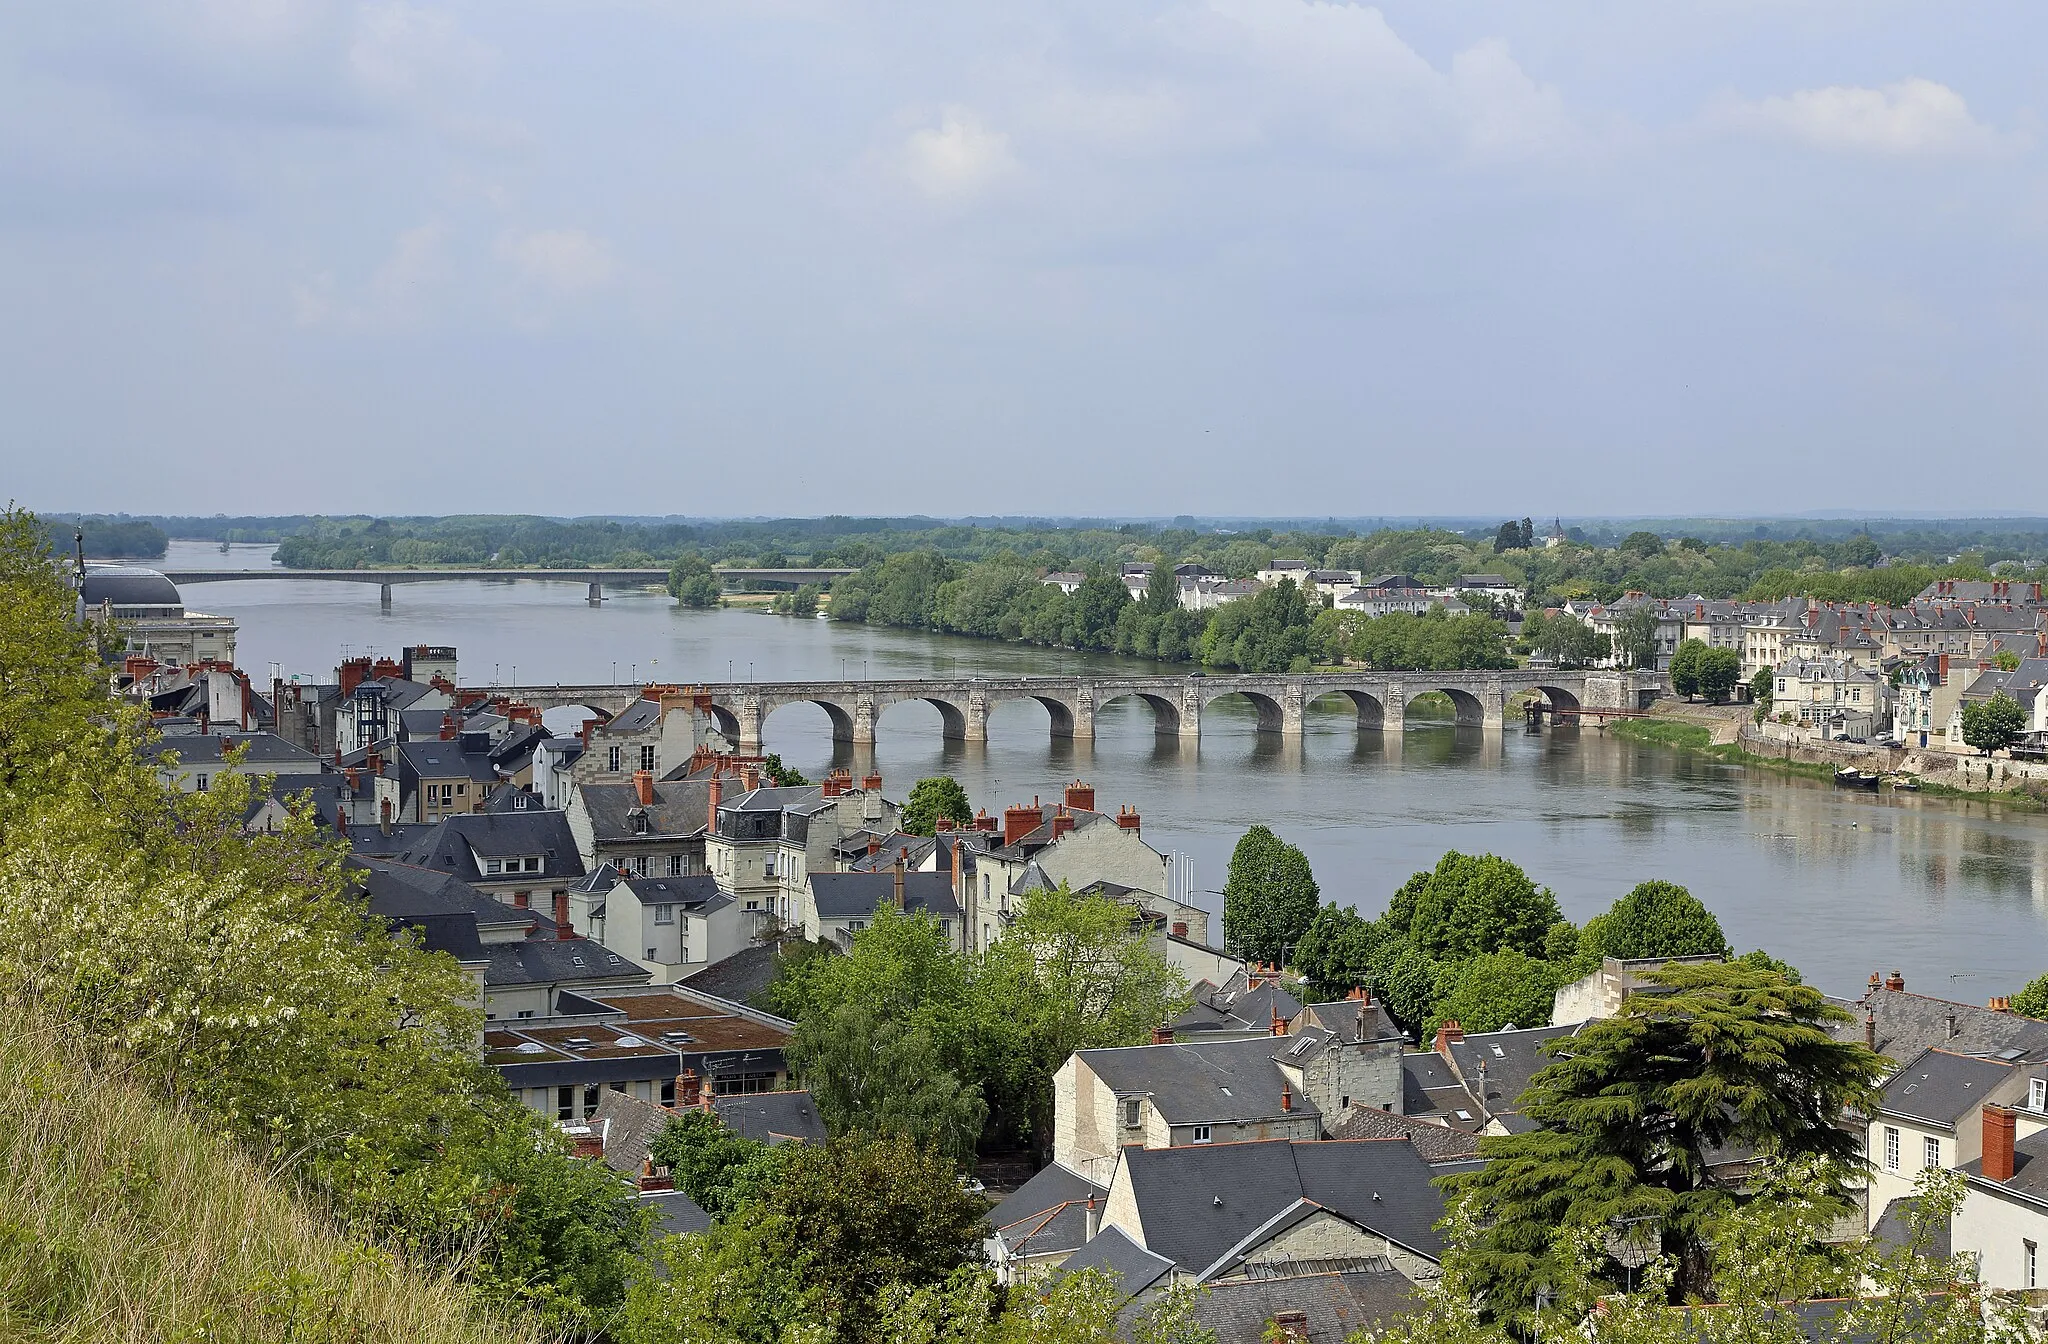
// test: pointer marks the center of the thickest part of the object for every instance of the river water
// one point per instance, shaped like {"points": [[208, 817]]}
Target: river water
{"points": [[1839, 883]]}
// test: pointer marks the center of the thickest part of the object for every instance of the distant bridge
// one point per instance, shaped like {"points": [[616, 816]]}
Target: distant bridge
{"points": [[595, 578], [740, 709]]}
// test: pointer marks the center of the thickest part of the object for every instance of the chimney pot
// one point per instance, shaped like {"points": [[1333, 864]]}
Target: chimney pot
{"points": [[1998, 1137], [1448, 1034], [1895, 982], [1286, 1098], [1870, 1031], [643, 787], [1080, 797]]}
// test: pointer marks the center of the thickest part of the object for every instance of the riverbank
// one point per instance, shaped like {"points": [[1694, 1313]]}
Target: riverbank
{"points": [[1819, 760]]}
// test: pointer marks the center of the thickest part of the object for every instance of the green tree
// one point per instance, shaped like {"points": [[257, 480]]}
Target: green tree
{"points": [[1762, 688], [871, 1075], [2032, 1001], [1635, 636], [692, 582], [1641, 544], [1497, 990], [1509, 537], [1685, 667], [1655, 919], [1719, 671], [2006, 660], [930, 799], [1994, 724], [1633, 1109], [721, 1170], [1336, 951], [1469, 905], [780, 775], [1162, 590], [1269, 898]]}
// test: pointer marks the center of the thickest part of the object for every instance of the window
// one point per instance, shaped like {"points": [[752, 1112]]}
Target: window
{"points": [[675, 865], [461, 790], [1930, 1152], [2030, 1259], [743, 1083], [668, 1091], [2037, 1095], [768, 866], [651, 956], [590, 1094], [640, 866], [1134, 1113], [565, 1102], [492, 865], [199, 782], [1201, 1133], [664, 914], [526, 1012], [1891, 1148], [612, 757], [533, 865]]}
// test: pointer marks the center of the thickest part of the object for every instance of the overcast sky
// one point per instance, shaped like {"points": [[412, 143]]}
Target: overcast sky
{"points": [[1151, 257]]}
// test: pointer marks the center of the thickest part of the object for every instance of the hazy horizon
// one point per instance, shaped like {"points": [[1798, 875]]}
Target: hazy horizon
{"points": [[1225, 258]]}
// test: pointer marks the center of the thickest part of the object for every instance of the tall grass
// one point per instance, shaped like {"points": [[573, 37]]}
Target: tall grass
{"points": [[122, 1221]]}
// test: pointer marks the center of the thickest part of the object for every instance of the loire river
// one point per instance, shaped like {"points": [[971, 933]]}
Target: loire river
{"points": [[1839, 883]]}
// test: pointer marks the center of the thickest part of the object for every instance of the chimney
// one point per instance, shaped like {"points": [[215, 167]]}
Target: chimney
{"points": [[2000, 1004], [1290, 1327], [959, 882], [1870, 1031], [1062, 822], [384, 815], [871, 783], [1279, 1023], [563, 931], [1951, 1028], [711, 819], [1019, 822], [1998, 1131], [1093, 1222], [1127, 818], [643, 787], [983, 821], [942, 826], [1286, 1098], [1895, 982], [376, 762], [1448, 1034], [651, 1182], [1162, 1035], [341, 821], [874, 846], [1080, 797], [750, 777], [448, 725], [896, 872], [354, 778], [689, 1089]]}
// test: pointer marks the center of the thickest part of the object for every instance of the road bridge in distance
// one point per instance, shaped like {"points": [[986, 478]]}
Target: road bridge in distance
{"points": [[595, 578], [740, 709]]}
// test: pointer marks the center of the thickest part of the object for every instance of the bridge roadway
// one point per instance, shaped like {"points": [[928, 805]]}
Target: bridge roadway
{"points": [[597, 578], [740, 709]]}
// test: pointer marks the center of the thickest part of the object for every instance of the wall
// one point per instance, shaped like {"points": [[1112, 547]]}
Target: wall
{"points": [[1368, 1073], [1325, 1236], [1994, 1228]]}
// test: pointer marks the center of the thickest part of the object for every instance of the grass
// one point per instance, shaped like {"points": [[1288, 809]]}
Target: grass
{"points": [[122, 1221], [1665, 733]]}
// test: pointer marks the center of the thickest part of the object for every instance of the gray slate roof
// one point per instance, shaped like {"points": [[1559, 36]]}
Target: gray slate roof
{"points": [[447, 847], [1436, 1143], [680, 807], [1113, 1252], [859, 895], [1428, 1087], [2029, 1168], [1207, 1083], [1908, 1023], [738, 977], [1894, 1227], [1510, 1058], [265, 752], [1941, 1087], [1337, 1305], [774, 1117], [680, 1215], [1048, 1213], [1233, 1006], [1196, 1203]]}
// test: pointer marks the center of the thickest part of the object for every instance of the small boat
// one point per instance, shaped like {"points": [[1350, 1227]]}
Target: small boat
{"points": [[1905, 784], [1856, 779]]}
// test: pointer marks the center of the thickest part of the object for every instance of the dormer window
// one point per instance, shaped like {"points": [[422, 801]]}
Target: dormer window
{"points": [[1134, 1113], [2037, 1095]]}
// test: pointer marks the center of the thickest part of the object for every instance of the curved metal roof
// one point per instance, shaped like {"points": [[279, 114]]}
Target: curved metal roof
{"points": [[129, 586]]}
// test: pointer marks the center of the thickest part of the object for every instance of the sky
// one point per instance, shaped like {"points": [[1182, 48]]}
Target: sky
{"points": [[1132, 257]]}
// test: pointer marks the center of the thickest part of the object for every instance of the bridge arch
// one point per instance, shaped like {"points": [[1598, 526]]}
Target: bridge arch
{"points": [[1561, 701], [1058, 711], [1469, 709], [1372, 713], [1165, 709], [726, 722], [952, 716], [1272, 717], [840, 716]]}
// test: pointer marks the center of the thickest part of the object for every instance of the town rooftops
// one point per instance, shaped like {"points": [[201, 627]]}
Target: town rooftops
{"points": [[1436, 1142], [266, 752], [678, 807], [454, 845], [1940, 1087], [740, 976], [436, 759], [1900, 1025], [1214, 1082], [2029, 1177], [1333, 1306], [1246, 1002], [1113, 1252], [636, 717], [1428, 1087], [1507, 1060], [1047, 1214], [859, 895], [1198, 1204], [772, 1117]]}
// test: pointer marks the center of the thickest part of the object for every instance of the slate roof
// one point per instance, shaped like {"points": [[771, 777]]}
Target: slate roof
{"points": [[1207, 1083], [628, 1126], [1048, 1213], [1428, 1087], [698, 893], [1354, 1020], [738, 977], [775, 1117], [1941, 1087], [1337, 1305], [1894, 1227], [1436, 1143], [680, 807], [2029, 1169], [128, 586], [515, 800], [1511, 1059], [1197, 1203], [451, 845], [1908, 1023], [266, 752], [1234, 1006], [1113, 1252], [642, 713], [446, 760], [859, 895], [680, 1215]]}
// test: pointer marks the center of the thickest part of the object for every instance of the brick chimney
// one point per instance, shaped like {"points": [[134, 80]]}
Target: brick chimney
{"points": [[942, 826], [448, 725], [750, 777], [563, 932], [376, 762], [896, 873], [1279, 1023], [717, 792], [871, 783], [1290, 1327], [522, 900], [1062, 822], [1162, 1035], [1998, 1132], [643, 787], [1019, 822], [983, 821], [1080, 797], [341, 821], [1127, 818], [1448, 1034], [874, 845], [2000, 1004], [1286, 1098], [689, 1088], [1895, 982], [959, 864]]}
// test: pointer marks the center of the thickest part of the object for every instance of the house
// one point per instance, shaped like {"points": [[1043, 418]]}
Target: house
{"points": [[1900, 1025], [836, 906], [1924, 701], [1610, 618], [619, 1132], [645, 826], [1930, 1114], [1246, 1005], [202, 758], [1390, 593], [444, 777], [1282, 1084], [768, 841], [1042, 1222], [1494, 1068], [525, 858], [1337, 1304], [672, 926], [1834, 696], [1276, 570], [2023, 683], [1067, 581], [1439, 1143], [1233, 1211], [661, 731], [1206, 593], [2003, 1221]]}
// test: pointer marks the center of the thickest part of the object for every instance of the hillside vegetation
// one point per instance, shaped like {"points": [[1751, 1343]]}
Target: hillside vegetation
{"points": [[123, 1220]]}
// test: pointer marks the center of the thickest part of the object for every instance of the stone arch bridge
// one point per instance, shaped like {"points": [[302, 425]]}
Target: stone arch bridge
{"points": [[1381, 699]]}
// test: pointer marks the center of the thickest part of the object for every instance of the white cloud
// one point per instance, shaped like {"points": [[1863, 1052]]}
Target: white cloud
{"points": [[568, 262], [958, 158], [1912, 116]]}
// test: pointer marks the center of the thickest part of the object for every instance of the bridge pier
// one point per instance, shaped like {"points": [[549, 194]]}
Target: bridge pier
{"points": [[1394, 709], [1291, 701], [1084, 714], [748, 712], [1493, 707], [384, 597], [864, 719], [596, 594], [1191, 712], [977, 717]]}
